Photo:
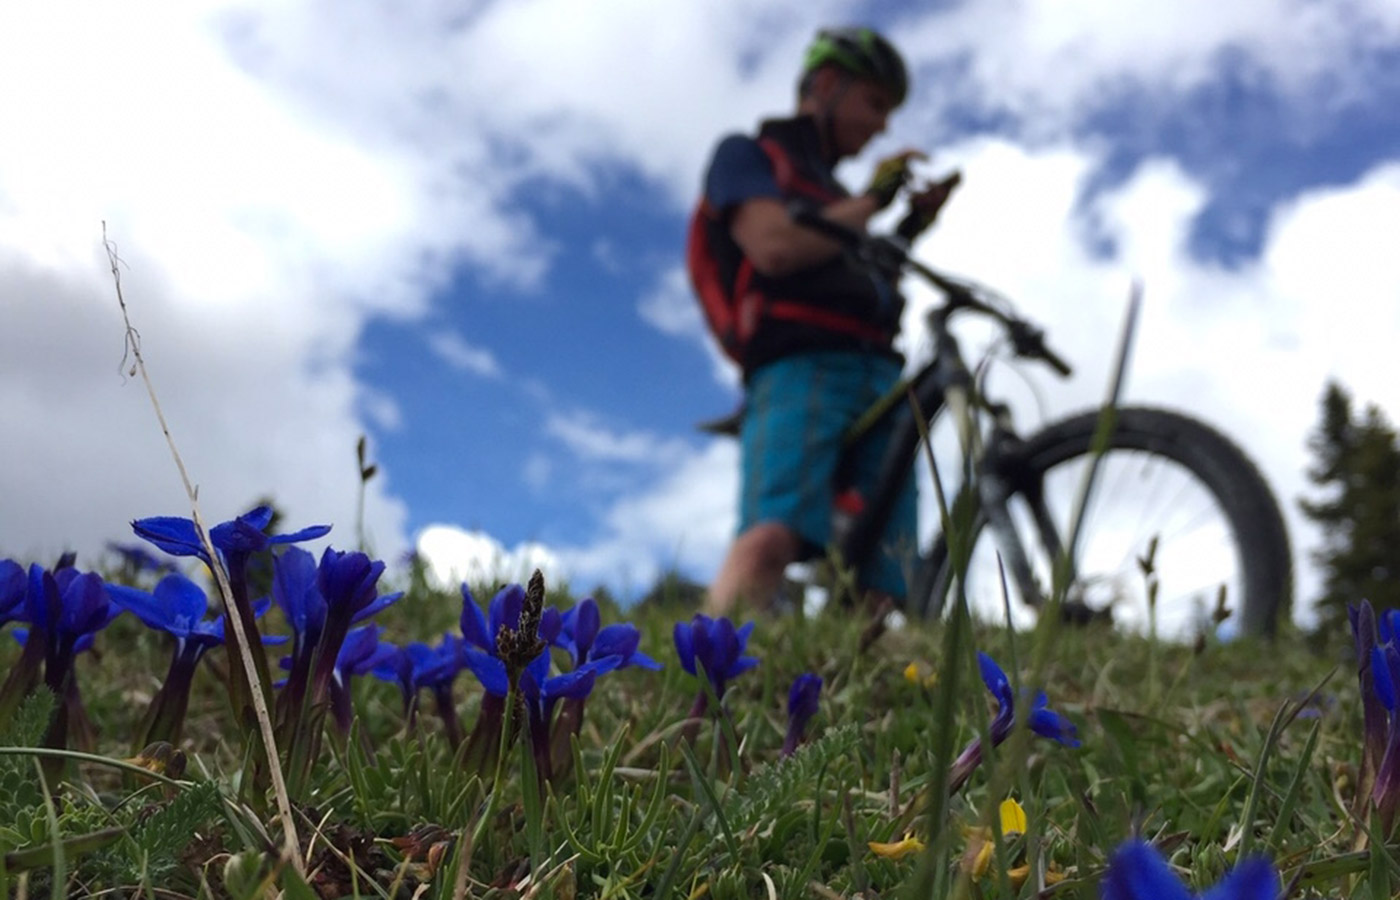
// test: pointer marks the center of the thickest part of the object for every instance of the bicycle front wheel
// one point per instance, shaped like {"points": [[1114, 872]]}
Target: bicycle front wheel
{"points": [[1168, 490]]}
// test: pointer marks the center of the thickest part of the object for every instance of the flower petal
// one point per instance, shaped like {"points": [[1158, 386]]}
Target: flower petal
{"points": [[173, 534], [1138, 872], [585, 627], [474, 628], [1380, 671], [505, 611], [683, 635], [1250, 879], [1048, 723], [896, 850], [86, 606], [489, 670], [573, 685], [1013, 817], [995, 680]]}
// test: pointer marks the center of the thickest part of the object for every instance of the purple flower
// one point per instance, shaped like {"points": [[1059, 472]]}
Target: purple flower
{"points": [[1138, 872], [803, 698], [716, 646]]}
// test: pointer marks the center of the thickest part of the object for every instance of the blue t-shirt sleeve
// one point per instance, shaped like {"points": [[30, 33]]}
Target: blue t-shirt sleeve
{"points": [[739, 171]]}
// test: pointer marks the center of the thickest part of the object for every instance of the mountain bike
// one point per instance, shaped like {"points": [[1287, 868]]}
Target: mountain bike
{"points": [[1140, 512]]}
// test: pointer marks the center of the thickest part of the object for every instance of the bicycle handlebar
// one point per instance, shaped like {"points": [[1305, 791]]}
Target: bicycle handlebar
{"points": [[886, 255]]}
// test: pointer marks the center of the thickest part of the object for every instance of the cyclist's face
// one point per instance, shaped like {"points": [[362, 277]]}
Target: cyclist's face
{"points": [[860, 113]]}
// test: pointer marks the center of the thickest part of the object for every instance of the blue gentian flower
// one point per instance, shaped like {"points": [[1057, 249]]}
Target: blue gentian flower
{"points": [[1040, 718], [69, 608], [321, 602], [436, 671], [717, 646], [13, 585], [177, 606], [360, 653], [594, 651], [803, 699], [481, 633], [1138, 872], [236, 541], [582, 638], [1043, 720], [1378, 672], [1385, 670], [399, 666], [25, 673], [64, 610]]}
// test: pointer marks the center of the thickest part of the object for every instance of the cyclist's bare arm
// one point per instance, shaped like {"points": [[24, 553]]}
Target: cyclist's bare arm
{"points": [[776, 245]]}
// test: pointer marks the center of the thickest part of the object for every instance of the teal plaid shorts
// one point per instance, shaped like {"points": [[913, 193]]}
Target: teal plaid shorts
{"points": [[797, 410]]}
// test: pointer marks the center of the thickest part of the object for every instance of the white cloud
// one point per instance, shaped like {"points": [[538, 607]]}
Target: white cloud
{"points": [[593, 441], [453, 349], [454, 555], [1049, 63]]}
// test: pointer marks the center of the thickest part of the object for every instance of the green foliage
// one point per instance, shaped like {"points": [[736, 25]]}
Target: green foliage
{"points": [[1357, 469], [22, 816], [1188, 763]]}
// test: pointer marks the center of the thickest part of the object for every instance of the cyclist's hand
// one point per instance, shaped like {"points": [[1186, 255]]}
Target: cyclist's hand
{"points": [[890, 175], [924, 207]]}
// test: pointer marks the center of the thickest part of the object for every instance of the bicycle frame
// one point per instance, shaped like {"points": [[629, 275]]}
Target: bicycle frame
{"points": [[990, 467]]}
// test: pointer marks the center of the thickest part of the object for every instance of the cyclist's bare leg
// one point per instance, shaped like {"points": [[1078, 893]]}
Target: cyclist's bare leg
{"points": [[877, 606], [753, 569]]}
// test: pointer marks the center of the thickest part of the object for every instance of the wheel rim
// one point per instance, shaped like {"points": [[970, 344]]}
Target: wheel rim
{"points": [[1137, 495]]}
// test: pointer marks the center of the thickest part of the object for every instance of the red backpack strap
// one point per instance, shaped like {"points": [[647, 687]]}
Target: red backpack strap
{"points": [[787, 177]]}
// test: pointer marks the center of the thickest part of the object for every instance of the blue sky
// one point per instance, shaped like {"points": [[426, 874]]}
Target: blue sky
{"points": [[459, 230]]}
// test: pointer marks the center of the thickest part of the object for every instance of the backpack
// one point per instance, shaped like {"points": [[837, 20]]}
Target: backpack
{"points": [[731, 307]]}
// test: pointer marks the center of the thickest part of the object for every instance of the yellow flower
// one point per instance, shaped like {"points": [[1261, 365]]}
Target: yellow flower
{"points": [[162, 758], [980, 846], [1013, 817], [1018, 876], [915, 675], [897, 850]]}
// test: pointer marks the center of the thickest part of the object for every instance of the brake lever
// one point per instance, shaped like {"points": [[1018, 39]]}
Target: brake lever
{"points": [[1029, 342]]}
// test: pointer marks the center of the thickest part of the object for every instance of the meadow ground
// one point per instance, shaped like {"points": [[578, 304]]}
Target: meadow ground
{"points": [[1211, 751]]}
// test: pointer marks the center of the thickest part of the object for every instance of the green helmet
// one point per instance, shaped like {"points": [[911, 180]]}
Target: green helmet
{"points": [[863, 53]]}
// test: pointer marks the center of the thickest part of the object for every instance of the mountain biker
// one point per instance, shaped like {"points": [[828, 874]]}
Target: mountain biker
{"points": [[820, 326]]}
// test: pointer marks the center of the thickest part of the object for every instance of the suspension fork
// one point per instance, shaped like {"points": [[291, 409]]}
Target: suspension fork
{"points": [[1002, 473]]}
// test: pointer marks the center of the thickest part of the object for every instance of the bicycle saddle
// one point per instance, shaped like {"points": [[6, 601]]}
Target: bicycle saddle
{"points": [[725, 426]]}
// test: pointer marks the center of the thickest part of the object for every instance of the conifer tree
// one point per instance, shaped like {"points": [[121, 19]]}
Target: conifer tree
{"points": [[1357, 471]]}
